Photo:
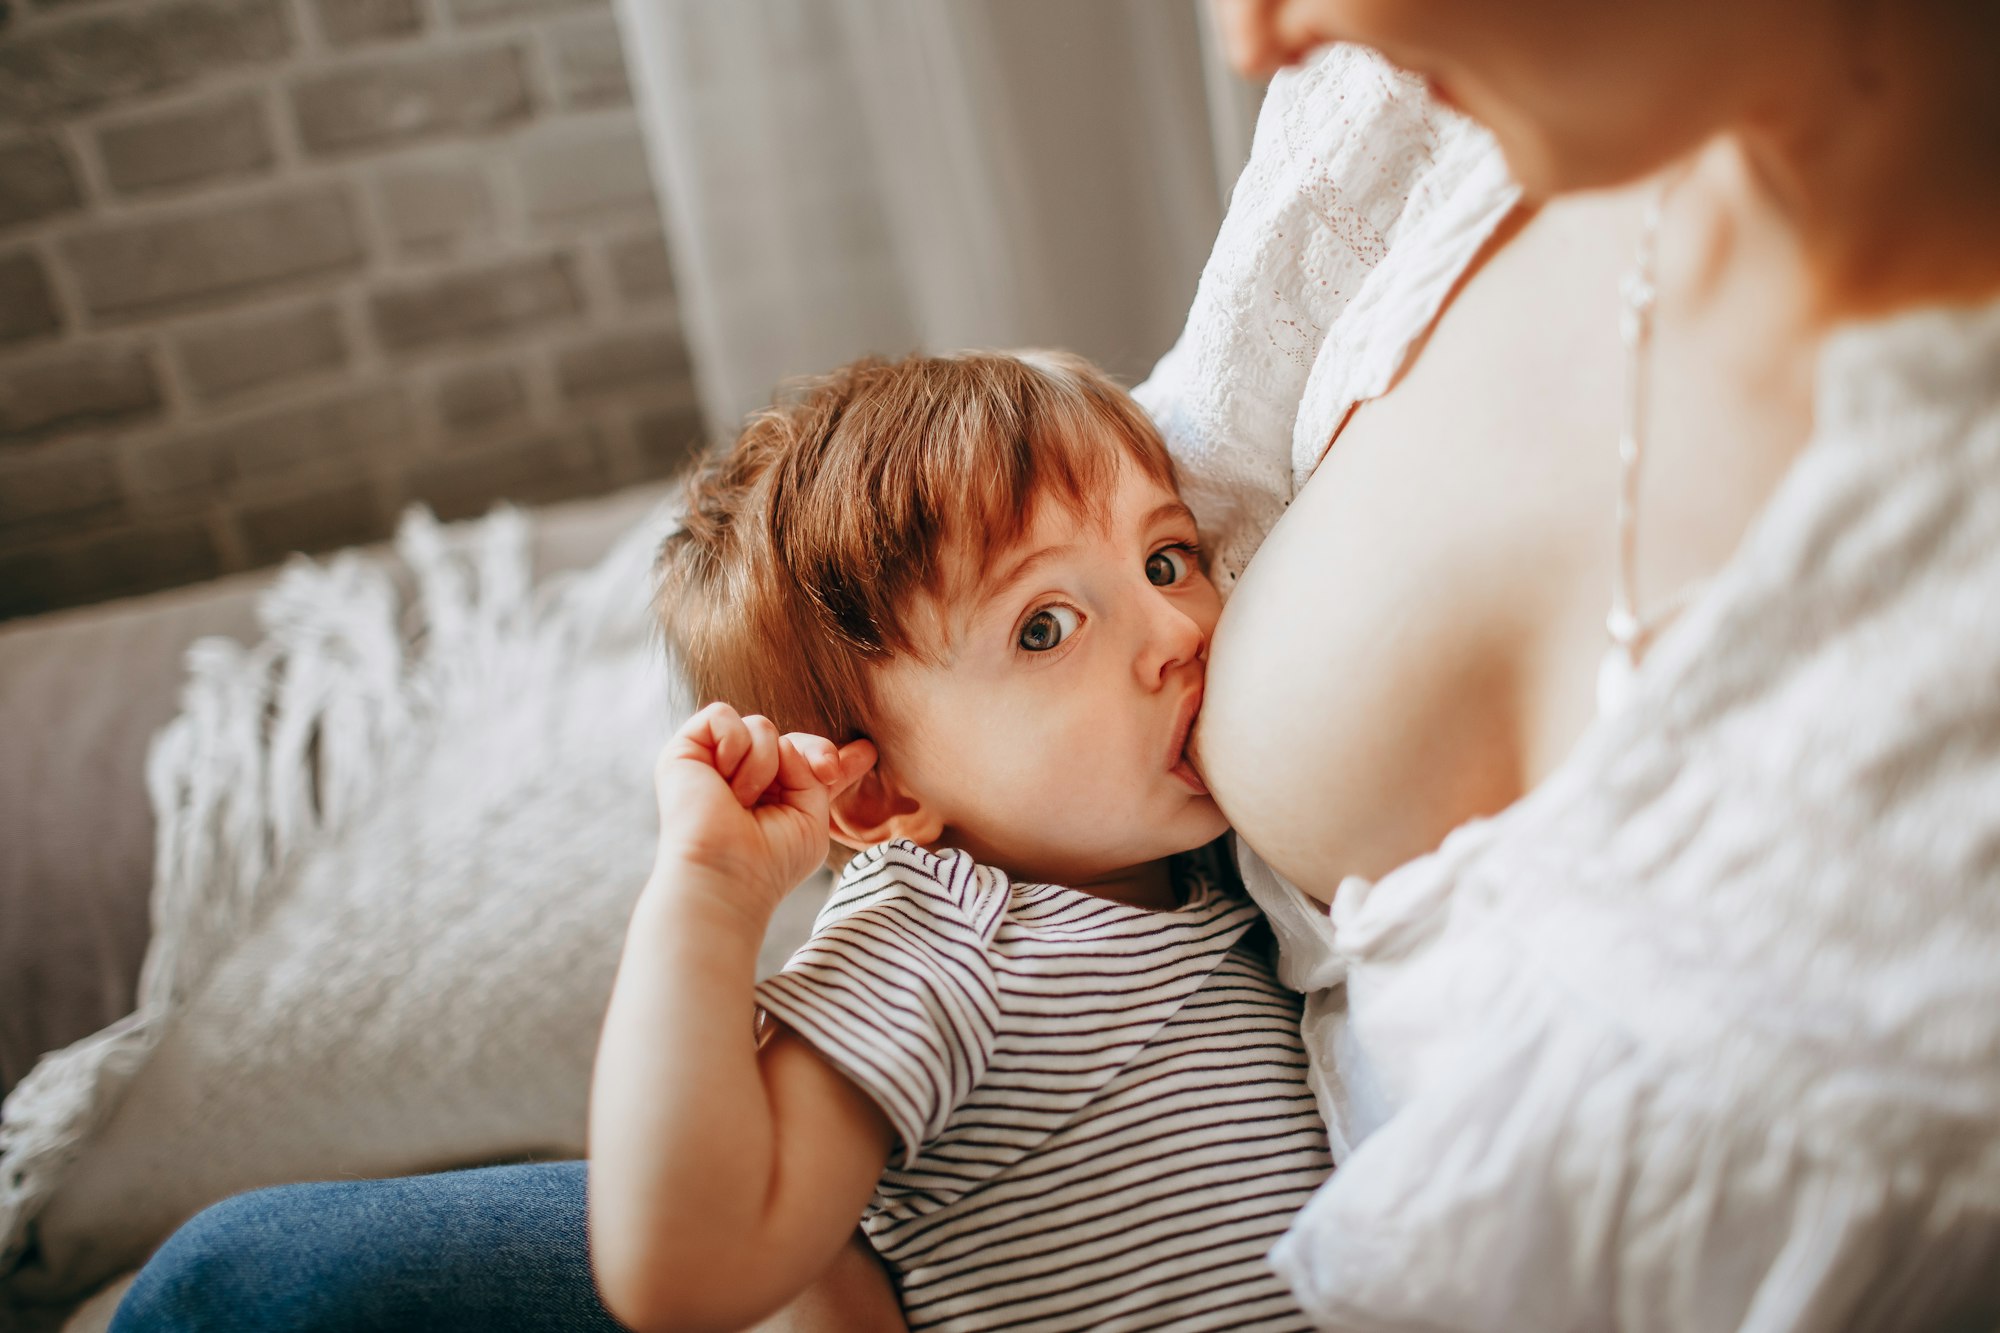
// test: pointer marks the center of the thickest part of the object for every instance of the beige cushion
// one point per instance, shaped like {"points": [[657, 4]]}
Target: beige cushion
{"points": [[82, 693]]}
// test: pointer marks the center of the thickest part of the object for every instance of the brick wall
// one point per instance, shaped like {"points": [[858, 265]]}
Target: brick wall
{"points": [[272, 269]]}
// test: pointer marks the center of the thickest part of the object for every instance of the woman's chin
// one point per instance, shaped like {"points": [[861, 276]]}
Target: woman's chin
{"points": [[1546, 162]]}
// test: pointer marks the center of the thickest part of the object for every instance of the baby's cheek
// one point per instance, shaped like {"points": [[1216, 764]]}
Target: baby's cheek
{"points": [[1041, 766], [1091, 789], [1067, 762], [1009, 763]]}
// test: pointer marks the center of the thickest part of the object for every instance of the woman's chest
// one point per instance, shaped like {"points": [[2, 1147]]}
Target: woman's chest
{"points": [[1439, 586]]}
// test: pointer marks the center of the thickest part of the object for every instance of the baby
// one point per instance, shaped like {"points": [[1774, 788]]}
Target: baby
{"points": [[1035, 1043]]}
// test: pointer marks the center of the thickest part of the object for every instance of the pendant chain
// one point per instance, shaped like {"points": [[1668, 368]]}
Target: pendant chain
{"points": [[1639, 293], [1639, 299]]}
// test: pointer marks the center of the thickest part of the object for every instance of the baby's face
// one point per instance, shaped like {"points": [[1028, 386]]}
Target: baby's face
{"points": [[1052, 738]]}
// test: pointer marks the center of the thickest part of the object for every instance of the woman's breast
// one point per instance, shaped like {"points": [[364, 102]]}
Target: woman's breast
{"points": [[1418, 633]]}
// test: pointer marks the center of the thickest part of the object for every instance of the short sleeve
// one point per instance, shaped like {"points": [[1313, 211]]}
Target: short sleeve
{"points": [[896, 987]]}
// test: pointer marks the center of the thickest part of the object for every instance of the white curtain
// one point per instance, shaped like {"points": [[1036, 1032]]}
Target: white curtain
{"points": [[850, 176]]}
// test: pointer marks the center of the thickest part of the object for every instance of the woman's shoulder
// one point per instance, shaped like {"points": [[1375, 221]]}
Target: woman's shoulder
{"points": [[1345, 108], [1348, 150], [1353, 165], [1346, 146]]}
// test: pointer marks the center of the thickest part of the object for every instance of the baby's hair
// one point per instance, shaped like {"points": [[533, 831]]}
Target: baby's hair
{"points": [[806, 542]]}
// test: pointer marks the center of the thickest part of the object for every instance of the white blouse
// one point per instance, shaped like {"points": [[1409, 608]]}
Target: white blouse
{"points": [[1704, 1032]]}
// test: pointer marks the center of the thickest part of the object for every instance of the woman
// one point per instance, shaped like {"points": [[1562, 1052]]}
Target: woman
{"points": [[1434, 405], [1705, 1031]]}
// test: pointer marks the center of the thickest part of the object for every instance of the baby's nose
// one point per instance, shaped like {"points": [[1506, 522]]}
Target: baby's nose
{"points": [[1177, 642]]}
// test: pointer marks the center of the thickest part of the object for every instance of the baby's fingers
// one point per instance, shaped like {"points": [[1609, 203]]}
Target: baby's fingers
{"points": [[721, 730], [799, 786], [760, 764], [821, 757], [714, 736]]}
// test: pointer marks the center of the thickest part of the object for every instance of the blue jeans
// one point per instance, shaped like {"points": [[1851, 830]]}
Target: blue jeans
{"points": [[490, 1249]]}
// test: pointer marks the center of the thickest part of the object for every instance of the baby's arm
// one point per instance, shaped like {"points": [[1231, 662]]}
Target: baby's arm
{"points": [[854, 1295], [723, 1178]]}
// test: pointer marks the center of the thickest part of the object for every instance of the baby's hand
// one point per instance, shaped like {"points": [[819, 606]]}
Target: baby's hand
{"points": [[741, 801]]}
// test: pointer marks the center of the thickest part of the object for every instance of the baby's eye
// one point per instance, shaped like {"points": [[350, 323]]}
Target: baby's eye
{"points": [[1167, 566], [1047, 628]]}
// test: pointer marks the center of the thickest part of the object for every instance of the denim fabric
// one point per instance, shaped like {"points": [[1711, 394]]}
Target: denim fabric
{"points": [[496, 1248]]}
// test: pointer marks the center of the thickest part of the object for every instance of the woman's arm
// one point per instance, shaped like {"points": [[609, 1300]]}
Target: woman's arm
{"points": [[723, 1176]]}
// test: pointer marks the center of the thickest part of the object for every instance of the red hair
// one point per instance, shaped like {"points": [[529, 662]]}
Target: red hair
{"points": [[807, 542]]}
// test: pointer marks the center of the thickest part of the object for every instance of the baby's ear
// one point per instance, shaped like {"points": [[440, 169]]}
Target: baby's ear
{"points": [[877, 808]]}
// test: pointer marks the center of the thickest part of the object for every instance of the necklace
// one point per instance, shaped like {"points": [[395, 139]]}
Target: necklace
{"points": [[1639, 294]]}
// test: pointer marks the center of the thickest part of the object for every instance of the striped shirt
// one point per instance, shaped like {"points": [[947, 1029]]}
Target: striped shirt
{"points": [[1102, 1110]]}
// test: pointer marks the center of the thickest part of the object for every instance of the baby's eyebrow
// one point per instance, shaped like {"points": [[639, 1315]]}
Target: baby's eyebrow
{"points": [[1019, 570], [962, 617]]}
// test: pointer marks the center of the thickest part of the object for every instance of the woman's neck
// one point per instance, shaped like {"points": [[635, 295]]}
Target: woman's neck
{"points": [[1880, 148]]}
